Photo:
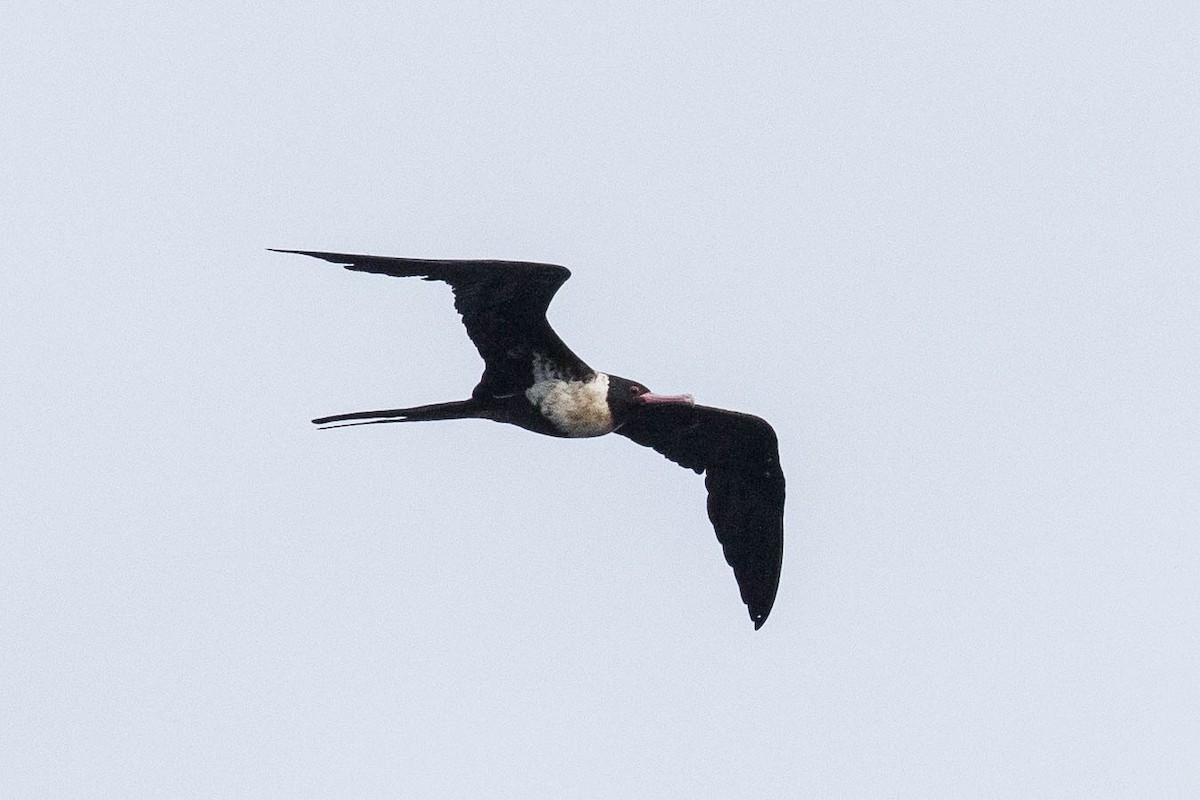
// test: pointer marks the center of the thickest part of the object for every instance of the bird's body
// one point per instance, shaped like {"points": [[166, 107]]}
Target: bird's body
{"points": [[573, 408], [532, 379]]}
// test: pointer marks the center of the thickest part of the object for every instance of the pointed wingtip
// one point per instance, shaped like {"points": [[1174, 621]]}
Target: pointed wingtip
{"points": [[759, 614], [345, 259]]}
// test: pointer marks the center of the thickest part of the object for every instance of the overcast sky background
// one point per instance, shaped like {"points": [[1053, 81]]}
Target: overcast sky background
{"points": [[949, 250]]}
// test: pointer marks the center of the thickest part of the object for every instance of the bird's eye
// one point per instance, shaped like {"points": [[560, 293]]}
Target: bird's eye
{"points": [[635, 389]]}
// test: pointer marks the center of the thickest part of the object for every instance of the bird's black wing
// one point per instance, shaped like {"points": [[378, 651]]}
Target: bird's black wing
{"points": [[503, 306], [745, 483]]}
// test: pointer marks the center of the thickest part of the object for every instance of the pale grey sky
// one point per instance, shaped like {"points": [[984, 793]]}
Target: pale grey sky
{"points": [[949, 250]]}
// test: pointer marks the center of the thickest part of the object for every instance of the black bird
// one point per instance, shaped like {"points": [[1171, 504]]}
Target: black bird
{"points": [[532, 379]]}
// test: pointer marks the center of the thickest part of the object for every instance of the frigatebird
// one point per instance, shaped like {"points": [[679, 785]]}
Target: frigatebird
{"points": [[533, 380]]}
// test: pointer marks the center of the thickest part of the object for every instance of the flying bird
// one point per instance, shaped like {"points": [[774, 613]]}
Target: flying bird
{"points": [[533, 380]]}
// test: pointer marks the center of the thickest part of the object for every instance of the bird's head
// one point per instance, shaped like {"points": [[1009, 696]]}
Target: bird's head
{"points": [[624, 396]]}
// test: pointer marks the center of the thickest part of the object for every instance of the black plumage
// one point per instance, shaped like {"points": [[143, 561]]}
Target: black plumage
{"points": [[532, 379]]}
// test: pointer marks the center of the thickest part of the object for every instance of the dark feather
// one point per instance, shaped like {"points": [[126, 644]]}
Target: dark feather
{"points": [[503, 306], [740, 454]]}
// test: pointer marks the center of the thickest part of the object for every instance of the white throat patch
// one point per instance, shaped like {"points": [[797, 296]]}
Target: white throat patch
{"points": [[575, 408]]}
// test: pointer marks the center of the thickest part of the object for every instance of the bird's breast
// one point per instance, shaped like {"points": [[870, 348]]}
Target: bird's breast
{"points": [[574, 408]]}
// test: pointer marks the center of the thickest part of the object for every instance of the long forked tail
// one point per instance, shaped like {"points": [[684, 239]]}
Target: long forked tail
{"points": [[459, 409]]}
